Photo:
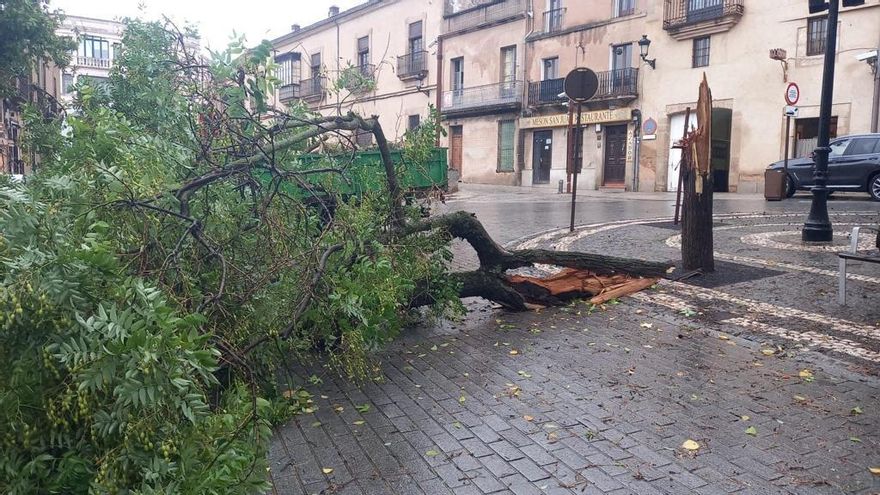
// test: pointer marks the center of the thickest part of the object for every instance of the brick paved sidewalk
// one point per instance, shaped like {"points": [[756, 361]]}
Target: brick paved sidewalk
{"points": [[564, 401]]}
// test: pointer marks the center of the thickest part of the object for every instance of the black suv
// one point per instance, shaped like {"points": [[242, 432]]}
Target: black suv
{"points": [[853, 165]]}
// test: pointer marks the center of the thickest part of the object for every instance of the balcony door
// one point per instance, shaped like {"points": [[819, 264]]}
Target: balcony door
{"points": [[416, 47], [457, 83], [508, 71], [621, 62], [551, 85]]}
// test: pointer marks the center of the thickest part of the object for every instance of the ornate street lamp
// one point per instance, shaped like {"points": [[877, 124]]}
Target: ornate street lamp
{"points": [[644, 45], [817, 228]]}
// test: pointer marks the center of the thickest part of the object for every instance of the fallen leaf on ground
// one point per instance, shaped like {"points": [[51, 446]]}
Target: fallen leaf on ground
{"points": [[432, 453], [875, 471], [856, 411], [358, 422], [523, 374], [751, 430], [514, 352], [690, 445], [362, 408], [461, 400], [768, 352], [326, 470], [723, 337], [800, 398], [744, 417], [457, 425], [528, 418], [339, 409], [433, 347], [647, 325], [805, 373], [855, 439], [316, 424]]}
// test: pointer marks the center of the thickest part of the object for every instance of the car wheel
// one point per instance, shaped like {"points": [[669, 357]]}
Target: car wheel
{"points": [[790, 188], [874, 187]]}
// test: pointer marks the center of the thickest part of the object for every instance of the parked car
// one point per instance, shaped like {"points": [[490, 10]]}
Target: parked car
{"points": [[853, 165]]}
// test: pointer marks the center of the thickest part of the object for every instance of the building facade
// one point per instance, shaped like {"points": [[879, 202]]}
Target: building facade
{"points": [[40, 88], [378, 58], [98, 44], [495, 70]]}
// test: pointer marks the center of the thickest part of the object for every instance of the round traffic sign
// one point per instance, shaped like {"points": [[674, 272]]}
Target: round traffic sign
{"points": [[581, 84], [792, 94]]}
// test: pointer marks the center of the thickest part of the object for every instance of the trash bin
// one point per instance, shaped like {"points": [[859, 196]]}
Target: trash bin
{"points": [[774, 185]]}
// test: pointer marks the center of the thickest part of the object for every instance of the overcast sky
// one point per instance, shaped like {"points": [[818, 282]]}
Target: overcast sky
{"points": [[257, 19]]}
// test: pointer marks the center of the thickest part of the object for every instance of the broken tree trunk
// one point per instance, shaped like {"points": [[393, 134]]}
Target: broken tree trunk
{"points": [[598, 273], [697, 248]]}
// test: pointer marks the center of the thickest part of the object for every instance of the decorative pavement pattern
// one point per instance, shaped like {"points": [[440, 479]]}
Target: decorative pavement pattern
{"points": [[756, 366]]}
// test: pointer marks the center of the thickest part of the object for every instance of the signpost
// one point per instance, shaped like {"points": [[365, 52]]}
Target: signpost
{"points": [[792, 95], [580, 85]]}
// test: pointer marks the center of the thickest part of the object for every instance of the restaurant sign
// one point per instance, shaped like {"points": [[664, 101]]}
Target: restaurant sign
{"points": [[561, 120]]}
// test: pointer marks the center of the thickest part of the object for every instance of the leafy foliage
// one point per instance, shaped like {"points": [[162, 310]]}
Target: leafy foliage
{"points": [[27, 36], [171, 255]]}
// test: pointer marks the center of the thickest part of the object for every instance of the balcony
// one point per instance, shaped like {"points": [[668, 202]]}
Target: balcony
{"points": [[554, 20], [619, 84], [546, 92], [98, 63], [480, 100], [288, 92], [412, 65], [482, 14], [686, 19], [312, 89]]}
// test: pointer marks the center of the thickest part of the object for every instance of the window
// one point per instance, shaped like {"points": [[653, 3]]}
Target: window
{"points": [[838, 147], [550, 69], [701, 52], [66, 83], [817, 31], [458, 74], [624, 7], [94, 48], [862, 146], [363, 51], [508, 64], [506, 138], [363, 139], [413, 122], [288, 70], [315, 68], [553, 18], [416, 39]]}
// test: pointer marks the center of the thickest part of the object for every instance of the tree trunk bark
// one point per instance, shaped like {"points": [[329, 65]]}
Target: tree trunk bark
{"points": [[697, 248]]}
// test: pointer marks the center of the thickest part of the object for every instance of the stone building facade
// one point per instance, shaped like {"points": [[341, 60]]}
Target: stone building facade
{"points": [[497, 68]]}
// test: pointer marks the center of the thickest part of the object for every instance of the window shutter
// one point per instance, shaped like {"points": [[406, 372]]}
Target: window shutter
{"points": [[363, 44], [415, 30]]}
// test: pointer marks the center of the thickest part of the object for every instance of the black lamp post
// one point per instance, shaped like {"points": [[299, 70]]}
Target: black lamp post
{"points": [[817, 228], [644, 45]]}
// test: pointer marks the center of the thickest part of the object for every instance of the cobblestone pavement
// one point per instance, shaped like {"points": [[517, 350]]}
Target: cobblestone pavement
{"points": [[777, 384]]}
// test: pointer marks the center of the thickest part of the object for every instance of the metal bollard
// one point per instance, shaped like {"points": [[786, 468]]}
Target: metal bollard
{"points": [[560, 186]]}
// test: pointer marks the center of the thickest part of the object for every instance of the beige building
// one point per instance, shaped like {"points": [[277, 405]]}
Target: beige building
{"points": [[98, 44], [40, 88], [504, 61], [378, 58]]}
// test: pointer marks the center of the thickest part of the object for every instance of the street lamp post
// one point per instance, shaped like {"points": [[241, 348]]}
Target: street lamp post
{"points": [[818, 228]]}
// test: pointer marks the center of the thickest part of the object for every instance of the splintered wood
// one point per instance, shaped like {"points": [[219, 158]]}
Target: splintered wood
{"points": [[572, 283]]}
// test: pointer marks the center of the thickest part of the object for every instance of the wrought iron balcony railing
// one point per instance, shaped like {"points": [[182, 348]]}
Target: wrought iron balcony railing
{"points": [[613, 84], [412, 65], [100, 63], [367, 71], [682, 13], [546, 92], [554, 20], [490, 95], [313, 88], [289, 92], [483, 13]]}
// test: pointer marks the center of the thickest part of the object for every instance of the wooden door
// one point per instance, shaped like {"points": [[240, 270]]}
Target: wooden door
{"points": [[455, 145], [542, 156], [615, 155]]}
